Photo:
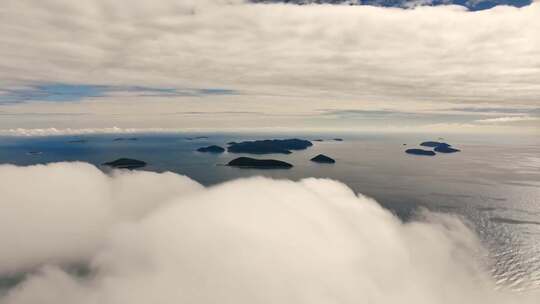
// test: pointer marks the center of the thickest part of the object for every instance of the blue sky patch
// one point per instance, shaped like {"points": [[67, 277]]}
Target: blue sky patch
{"points": [[473, 5], [63, 92]]}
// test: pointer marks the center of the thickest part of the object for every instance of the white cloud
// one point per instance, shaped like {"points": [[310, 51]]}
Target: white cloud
{"points": [[369, 54], [508, 119], [162, 238], [69, 131], [62, 212]]}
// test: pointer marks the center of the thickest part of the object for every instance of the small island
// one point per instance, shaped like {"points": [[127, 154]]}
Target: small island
{"points": [[124, 138], [420, 152], [338, 139], [440, 147], [446, 149], [196, 137], [252, 163], [77, 141], [433, 144], [278, 146], [211, 149], [323, 159], [126, 163]]}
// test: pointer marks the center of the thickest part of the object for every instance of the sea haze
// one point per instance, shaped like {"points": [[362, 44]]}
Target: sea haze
{"points": [[492, 184]]}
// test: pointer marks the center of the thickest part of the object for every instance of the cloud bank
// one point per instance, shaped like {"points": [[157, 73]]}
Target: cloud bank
{"points": [[429, 53], [273, 58], [162, 238]]}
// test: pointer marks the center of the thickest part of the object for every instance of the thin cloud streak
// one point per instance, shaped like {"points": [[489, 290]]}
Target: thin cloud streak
{"points": [[508, 119]]}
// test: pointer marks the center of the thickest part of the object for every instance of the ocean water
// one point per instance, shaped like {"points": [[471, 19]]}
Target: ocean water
{"points": [[493, 184]]}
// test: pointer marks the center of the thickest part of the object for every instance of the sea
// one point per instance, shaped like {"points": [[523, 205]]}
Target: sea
{"points": [[493, 184]]}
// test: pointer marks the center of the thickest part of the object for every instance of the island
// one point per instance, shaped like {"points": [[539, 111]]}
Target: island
{"points": [[433, 144], [323, 159], [440, 147], [318, 139], [125, 163], [78, 141], [446, 149], [196, 137], [247, 162], [420, 152], [211, 149], [338, 139], [279, 146], [124, 138]]}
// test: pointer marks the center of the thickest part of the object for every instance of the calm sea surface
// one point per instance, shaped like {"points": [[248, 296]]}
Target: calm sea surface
{"points": [[494, 183]]}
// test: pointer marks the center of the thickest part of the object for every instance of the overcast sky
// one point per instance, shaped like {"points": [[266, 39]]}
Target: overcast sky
{"points": [[230, 65]]}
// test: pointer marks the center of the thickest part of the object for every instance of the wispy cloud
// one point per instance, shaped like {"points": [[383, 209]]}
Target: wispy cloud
{"points": [[396, 115], [85, 131], [508, 119], [367, 113], [496, 110]]}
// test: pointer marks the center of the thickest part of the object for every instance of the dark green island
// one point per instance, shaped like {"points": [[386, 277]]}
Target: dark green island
{"points": [[420, 152], [211, 149], [269, 146], [323, 159], [440, 147], [125, 163], [252, 163]]}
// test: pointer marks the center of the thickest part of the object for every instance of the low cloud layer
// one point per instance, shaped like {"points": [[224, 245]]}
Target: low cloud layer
{"points": [[162, 238]]}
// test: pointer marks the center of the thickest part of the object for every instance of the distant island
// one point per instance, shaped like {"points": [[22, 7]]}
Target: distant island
{"points": [[446, 149], [196, 137], [78, 141], [440, 147], [338, 139], [433, 144], [323, 159], [126, 163], [211, 149], [247, 162], [420, 152], [279, 146], [124, 138]]}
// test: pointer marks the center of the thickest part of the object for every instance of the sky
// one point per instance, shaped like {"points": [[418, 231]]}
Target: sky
{"points": [[231, 65]]}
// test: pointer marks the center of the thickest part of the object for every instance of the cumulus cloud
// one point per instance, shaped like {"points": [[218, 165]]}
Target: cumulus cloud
{"points": [[67, 209], [162, 238]]}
